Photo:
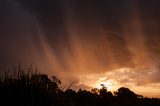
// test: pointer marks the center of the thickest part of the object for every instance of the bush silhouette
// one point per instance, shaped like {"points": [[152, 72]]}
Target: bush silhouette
{"points": [[26, 89]]}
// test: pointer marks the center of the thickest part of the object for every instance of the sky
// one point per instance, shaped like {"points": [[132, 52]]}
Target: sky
{"points": [[88, 42]]}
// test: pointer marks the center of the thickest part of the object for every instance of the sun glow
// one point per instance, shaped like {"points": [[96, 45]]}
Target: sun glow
{"points": [[110, 84], [122, 77], [107, 79]]}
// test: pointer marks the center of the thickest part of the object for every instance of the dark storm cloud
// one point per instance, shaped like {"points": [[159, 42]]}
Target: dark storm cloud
{"points": [[87, 13], [89, 16], [15, 34], [150, 17], [51, 16]]}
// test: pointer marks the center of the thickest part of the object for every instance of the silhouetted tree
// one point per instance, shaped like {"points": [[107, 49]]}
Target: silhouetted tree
{"points": [[39, 90]]}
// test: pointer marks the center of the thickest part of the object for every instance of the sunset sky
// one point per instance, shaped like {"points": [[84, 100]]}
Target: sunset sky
{"points": [[88, 42]]}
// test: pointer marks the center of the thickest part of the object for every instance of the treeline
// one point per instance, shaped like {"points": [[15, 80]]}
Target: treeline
{"points": [[25, 89]]}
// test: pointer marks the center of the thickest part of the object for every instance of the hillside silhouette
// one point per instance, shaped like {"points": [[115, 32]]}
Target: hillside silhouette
{"points": [[24, 88]]}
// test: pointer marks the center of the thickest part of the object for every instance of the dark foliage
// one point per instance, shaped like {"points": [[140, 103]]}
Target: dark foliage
{"points": [[24, 89]]}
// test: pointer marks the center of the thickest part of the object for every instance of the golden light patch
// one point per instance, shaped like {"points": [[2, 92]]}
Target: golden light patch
{"points": [[110, 84]]}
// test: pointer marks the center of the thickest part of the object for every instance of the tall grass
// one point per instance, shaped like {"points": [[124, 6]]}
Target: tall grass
{"points": [[27, 87]]}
